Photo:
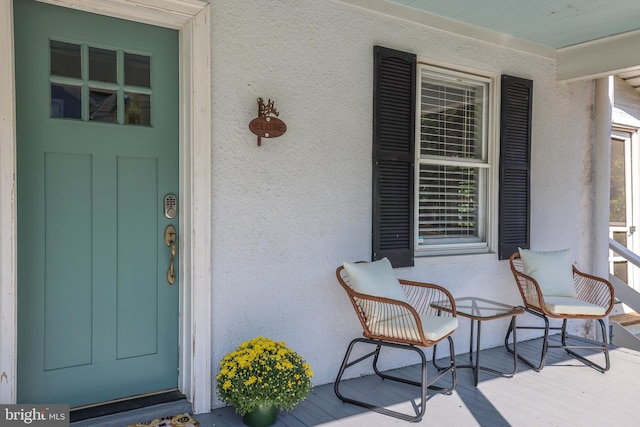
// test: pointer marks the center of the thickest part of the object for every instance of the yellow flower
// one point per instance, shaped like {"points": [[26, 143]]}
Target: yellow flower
{"points": [[262, 370], [307, 369]]}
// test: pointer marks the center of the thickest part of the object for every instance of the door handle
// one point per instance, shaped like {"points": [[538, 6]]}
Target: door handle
{"points": [[170, 239]]}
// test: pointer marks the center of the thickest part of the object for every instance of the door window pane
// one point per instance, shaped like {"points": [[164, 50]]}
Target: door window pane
{"points": [[103, 105], [137, 109], [103, 65], [620, 237], [137, 70], [66, 101], [104, 73], [65, 59], [618, 196], [620, 270]]}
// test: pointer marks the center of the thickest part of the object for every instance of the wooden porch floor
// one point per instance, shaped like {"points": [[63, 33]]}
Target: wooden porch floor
{"points": [[564, 393]]}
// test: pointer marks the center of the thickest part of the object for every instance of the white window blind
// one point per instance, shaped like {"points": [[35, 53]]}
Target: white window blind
{"points": [[452, 164]]}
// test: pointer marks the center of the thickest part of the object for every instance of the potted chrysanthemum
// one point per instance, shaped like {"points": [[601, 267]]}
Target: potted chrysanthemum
{"points": [[261, 377]]}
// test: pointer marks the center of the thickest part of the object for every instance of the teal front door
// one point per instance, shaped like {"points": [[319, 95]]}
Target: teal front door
{"points": [[97, 142]]}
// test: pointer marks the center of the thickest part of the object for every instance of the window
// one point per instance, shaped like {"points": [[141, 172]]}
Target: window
{"points": [[454, 162], [433, 162], [100, 85]]}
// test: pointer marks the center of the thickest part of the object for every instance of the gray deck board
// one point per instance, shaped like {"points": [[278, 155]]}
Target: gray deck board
{"points": [[564, 393]]}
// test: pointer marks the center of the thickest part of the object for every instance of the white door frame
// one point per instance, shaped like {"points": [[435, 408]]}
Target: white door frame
{"points": [[630, 137], [192, 19], [624, 137]]}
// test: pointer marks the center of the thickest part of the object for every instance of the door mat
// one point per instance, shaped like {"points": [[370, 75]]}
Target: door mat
{"points": [[181, 420]]}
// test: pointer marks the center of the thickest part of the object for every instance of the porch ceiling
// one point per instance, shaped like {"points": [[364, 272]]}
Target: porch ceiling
{"points": [[553, 23], [588, 38]]}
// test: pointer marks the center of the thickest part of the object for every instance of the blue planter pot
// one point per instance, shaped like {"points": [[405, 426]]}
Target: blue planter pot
{"points": [[262, 416]]}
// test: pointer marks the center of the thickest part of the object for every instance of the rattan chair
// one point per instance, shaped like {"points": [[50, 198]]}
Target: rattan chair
{"points": [[594, 299], [406, 323]]}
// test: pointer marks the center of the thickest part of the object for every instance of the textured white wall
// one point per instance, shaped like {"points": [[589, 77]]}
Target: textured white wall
{"points": [[286, 214]]}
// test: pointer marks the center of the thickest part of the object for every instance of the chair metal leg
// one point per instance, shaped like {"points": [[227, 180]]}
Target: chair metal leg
{"points": [[604, 347], [424, 384], [545, 341], [568, 348]]}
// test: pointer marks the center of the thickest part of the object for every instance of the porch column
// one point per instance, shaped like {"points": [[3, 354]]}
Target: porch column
{"points": [[602, 159]]}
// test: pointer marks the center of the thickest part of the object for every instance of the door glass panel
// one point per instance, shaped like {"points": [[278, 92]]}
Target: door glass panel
{"points": [[620, 270], [103, 105], [137, 70], [137, 109], [66, 101], [65, 59], [620, 237], [76, 66], [618, 197], [103, 65]]}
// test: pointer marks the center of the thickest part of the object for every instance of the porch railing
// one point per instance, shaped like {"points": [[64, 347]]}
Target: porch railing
{"points": [[624, 292], [627, 295]]}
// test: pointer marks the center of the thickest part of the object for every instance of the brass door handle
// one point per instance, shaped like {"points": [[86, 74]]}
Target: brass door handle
{"points": [[170, 239]]}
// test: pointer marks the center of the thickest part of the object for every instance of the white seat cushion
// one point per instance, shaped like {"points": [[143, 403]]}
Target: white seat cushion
{"points": [[569, 305], [552, 270], [404, 327]]}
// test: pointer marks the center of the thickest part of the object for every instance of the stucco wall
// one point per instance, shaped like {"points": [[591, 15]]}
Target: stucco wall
{"points": [[286, 214]]}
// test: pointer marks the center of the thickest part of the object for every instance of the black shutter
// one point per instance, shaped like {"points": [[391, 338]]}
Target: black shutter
{"points": [[394, 99], [515, 165]]}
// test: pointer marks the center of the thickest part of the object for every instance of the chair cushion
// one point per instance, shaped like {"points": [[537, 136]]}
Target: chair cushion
{"points": [[552, 270], [573, 306], [375, 278], [404, 327]]}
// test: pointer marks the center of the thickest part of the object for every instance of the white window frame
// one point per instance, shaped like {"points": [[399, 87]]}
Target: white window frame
{"points": [[487, 218]]}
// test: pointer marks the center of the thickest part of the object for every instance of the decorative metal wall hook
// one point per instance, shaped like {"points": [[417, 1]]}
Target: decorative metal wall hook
{"points": [[267, 125]]}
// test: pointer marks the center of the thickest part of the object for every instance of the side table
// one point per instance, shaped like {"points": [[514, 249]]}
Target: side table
{"points": [[479, 310]]}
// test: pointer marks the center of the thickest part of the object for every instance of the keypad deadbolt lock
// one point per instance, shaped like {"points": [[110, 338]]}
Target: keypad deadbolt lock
{"points": [[170, 206]]}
